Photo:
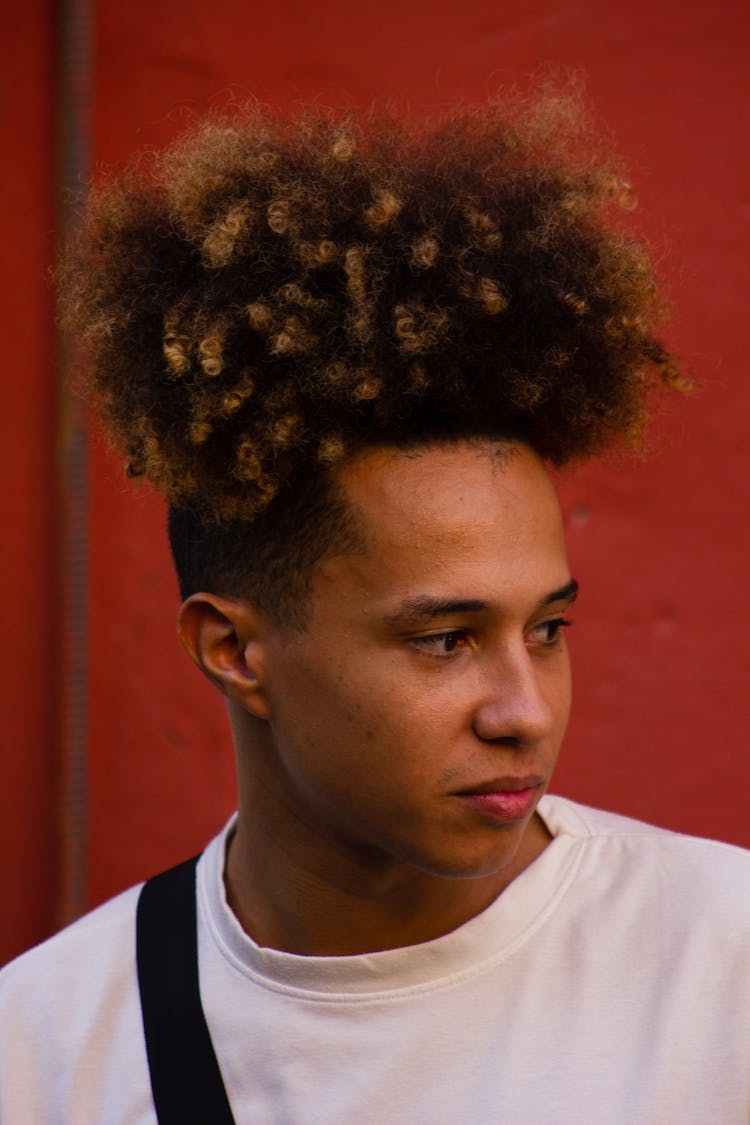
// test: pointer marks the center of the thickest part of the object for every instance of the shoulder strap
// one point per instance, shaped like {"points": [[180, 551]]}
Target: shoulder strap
{"points": [[185, 1078]]}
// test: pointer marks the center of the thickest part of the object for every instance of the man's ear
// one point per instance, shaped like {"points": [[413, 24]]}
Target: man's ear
{"points": [[224, 637]]}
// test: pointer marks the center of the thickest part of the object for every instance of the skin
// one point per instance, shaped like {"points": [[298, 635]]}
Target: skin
{"points": [[433, 662]]}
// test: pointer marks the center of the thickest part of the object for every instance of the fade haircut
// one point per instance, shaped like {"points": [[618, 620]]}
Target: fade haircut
{"points": [[272, 294]]}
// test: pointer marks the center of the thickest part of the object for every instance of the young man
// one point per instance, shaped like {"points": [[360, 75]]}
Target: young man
{"points": [[345, 351]]}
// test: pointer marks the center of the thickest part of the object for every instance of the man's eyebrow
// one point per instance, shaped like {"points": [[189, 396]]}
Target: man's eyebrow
{"points": [[425, 608], [566, 593]]}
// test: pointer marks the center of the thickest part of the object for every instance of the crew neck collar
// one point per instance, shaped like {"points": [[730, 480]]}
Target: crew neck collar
{"points": [[493, 934]]}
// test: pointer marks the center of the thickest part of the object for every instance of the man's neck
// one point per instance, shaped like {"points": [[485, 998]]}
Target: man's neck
{"points": [[323, 902]]}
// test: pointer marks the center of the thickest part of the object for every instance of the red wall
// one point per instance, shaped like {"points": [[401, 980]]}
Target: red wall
{"points": [[27, 428], [659, 547]]}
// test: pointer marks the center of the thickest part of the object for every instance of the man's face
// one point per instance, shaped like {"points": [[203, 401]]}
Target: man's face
{"points": [[419, 715]]}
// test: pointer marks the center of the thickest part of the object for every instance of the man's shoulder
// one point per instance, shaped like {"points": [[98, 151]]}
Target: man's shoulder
{"points": [[70, 1047], [100, 944], [565, 816], [687, 874], [571, 817]]}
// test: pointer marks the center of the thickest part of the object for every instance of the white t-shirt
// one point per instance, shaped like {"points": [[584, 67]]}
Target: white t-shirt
{"points": [[609, 984]]}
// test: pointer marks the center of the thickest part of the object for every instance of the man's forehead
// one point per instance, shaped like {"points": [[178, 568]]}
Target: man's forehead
{"points": [[434, 486], [451, 521], [382, 469]]}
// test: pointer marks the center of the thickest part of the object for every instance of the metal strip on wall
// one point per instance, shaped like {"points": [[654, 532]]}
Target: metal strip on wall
{"points": [[74, 96]]}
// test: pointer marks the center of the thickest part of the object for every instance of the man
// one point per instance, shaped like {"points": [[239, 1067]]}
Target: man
{"points": [[345, 350]]}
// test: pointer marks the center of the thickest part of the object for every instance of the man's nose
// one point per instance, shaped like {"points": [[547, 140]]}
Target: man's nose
{"points": [[514, 708]]}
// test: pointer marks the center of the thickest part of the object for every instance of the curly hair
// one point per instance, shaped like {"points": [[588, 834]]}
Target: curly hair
{"points": [[271, 294]]}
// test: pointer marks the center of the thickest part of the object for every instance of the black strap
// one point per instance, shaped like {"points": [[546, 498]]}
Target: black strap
{"points": [[185, 1078]]}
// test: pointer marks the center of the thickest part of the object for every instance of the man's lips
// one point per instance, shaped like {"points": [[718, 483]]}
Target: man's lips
{"points": [[502, 785], [503, 798]]}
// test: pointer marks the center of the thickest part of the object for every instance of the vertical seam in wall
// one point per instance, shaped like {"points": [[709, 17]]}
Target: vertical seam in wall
{"points": [[74, 89]]}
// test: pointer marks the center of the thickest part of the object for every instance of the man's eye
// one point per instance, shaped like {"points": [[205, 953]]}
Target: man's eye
{"points": [[441, 644], [549, 631]]}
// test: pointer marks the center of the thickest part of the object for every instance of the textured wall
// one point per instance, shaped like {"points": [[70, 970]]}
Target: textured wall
{"points": [[660, 548], [27, 651]]}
